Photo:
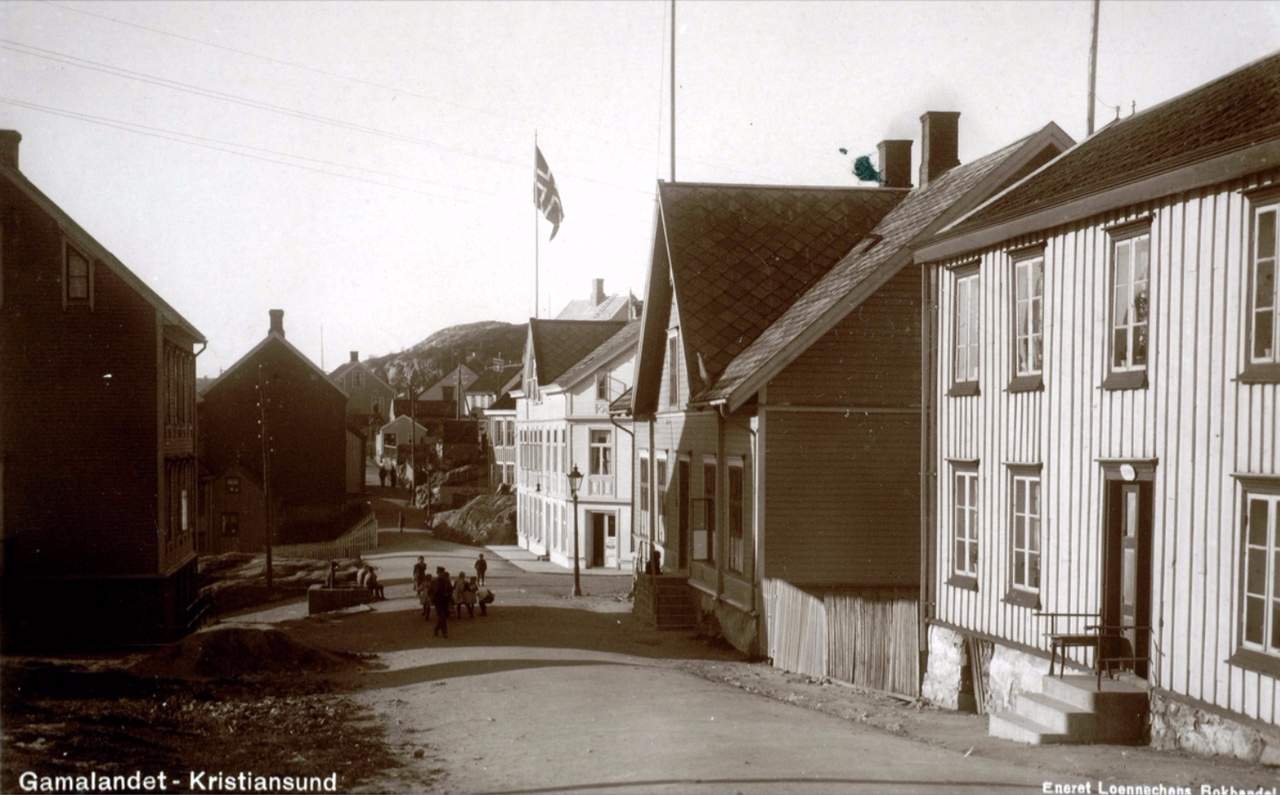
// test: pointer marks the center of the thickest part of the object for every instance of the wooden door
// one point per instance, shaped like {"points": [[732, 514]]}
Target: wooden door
{"points": [[682, 520], [597, 539], [1126, 600]]}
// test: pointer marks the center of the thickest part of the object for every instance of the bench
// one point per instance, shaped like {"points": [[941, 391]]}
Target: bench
{"points": [[323, 600]]}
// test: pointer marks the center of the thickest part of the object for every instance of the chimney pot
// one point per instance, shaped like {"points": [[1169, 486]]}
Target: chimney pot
{"points": [[939, 144], [277, 322], [9, 141], [355, 356], [895, 163], [597, 292]]}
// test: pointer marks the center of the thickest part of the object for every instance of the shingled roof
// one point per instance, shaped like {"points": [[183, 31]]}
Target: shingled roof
{"points": [[882, 252], [560, 344], [625, 339], [1234, 111], [741, 254], [492, 381]]}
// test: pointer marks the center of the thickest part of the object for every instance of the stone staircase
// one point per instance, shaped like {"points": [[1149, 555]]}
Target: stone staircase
{"points": [[1072, 709], [666, 601]]}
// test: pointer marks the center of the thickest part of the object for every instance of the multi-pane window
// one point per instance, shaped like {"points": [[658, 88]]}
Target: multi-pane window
{"points": [[709, 478], [1130, 302], [1261, 603], [388, 440], [231, 524], [1264, 332], [737, 544], [965, 523], [602, 386], [1028, 329], [660, 485], [966, 328], [233, 485], [77, 276], [673, 368], [644, 495], [601, 451], [1026, 532]]}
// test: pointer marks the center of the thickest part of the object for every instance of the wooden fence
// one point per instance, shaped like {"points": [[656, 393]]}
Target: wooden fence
{"points": [[867, 637], [360, 538]]}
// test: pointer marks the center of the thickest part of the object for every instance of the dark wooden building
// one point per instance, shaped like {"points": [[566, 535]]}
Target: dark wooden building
{"points": [[305, 417], [97, 519]]}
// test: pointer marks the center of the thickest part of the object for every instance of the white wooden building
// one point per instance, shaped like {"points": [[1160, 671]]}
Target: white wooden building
{"points": [[573, 369], [1105, 436]]}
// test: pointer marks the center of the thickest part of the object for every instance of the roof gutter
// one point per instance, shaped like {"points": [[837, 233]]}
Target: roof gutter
{"points": [[1205, 172]]}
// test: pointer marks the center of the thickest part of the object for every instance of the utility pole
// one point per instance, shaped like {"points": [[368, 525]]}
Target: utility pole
{"points": [[265, 436], [1093, 65]]}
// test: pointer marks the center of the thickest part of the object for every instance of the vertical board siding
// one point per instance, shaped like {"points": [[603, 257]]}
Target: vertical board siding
{"points": [[1195, 419]]}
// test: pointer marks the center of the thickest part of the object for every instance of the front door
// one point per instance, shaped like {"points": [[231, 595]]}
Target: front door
{"points": [[682, 519], [1126, 604], [597, 538]]}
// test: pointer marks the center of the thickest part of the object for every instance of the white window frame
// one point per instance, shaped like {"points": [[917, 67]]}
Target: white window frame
{"points": [[1268, 593], [644, 484], [1257, 257], [966, 353], [1025, 485], [1128, 244], [964, 522], [602, 386], [601, 449], [1028, 304], [673, 367], [736, 530], [661, 480]]}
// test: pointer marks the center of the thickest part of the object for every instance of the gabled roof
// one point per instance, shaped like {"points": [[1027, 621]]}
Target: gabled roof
{"points": [[560, 344], [506, 403], [877, 258], [622, 403], [1235, 111], [82, 238], [620, 343], [403, 418], [739, 256], [268, 340], [337, 374], [613, 307], [451, 378], [494, 381]]}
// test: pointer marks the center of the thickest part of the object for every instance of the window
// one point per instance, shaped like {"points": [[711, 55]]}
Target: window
{"points": [[1026, 532], [1130, 258], [965, 356], [78, 276], [660, 484], [602, 386], [1264, 298], [388, 440], [233, 485], [231, 524], [1260, 605], [737, 551], [644, 494], [1028, 322], [673, 364], [707, 545], [964, 529], [601, 450]]}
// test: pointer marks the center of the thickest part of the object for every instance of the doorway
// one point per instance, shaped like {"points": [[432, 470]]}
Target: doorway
{"points": [[682, 516], [604, 539], [1126, 582]]}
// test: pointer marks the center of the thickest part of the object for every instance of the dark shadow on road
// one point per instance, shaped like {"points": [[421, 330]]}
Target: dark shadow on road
{"points": [[376, 680], [888, 784]]}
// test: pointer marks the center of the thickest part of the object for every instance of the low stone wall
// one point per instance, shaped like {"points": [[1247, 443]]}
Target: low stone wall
{"points": [[324, 600], [947, 659], [1177, 725], [717, 619]]}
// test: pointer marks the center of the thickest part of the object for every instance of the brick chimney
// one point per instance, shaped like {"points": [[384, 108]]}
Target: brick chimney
{"points": [[939, 143], [277, 322], [9, 140], [597, 292], [355, 357], [895, 163]]}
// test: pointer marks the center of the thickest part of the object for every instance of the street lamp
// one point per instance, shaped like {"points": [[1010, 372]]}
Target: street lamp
{"points": [[575, 480]]}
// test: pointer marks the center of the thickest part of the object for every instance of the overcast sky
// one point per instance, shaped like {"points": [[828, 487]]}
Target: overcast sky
{"points": [[368, 167]]}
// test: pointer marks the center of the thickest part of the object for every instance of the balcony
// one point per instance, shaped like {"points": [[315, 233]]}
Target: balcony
{"points": [[599, 485]]}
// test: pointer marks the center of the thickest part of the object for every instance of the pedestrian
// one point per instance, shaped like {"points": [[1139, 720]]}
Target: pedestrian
{"points": [[382, 473], [482, 566], [331, 579], [362, 574], [460, 593], [441, 596], [402, 521], [371, 582], [469, 598], [419, 573], [391, 473], [484, 598], [424, 596]]}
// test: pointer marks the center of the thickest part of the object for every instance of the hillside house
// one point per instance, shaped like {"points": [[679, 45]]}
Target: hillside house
{"points": [[368, 396], [1104, 446], [491, 385], [500, 431], [572, 370], [599, 305], [98, 519]]}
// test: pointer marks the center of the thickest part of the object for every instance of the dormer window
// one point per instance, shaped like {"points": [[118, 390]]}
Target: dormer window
{"points": [[77, 277]]}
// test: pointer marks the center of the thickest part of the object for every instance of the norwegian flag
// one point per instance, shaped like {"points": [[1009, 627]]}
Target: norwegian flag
{"points": [[546, 196]]}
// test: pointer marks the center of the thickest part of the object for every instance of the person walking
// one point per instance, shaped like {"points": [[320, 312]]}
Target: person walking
{"points": [[460, 592], [419, 573], [482, 566], [441, 596], [382, 474], [391, 473]]}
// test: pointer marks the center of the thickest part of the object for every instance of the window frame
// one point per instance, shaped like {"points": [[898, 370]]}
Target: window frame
{"points": [[389, 440], [1261, 656], [1262, 370], [644, 484], [673, 367], [1023, 594], [604, 466], [1029, 379], [232, 484], [602, 381], [964, 577], [736, 516], [969, 273], [68, 300], [660, 488], [1129, 376], [230, 519]]}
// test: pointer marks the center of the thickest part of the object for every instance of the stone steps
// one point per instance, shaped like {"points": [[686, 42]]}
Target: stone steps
{"points": [[1074, 709]]}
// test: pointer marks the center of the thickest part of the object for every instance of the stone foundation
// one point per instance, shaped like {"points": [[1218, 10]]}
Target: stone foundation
{"points": [[717, 619], [947, 659], [1012, 672], [1177, 725]]}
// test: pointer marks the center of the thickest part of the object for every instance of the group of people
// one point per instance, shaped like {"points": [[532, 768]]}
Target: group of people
{"points": [[390, 474], [366, 577], [447, 594]]}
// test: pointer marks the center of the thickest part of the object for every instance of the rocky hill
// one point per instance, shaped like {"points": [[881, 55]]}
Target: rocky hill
{"points": [[474, 344]]}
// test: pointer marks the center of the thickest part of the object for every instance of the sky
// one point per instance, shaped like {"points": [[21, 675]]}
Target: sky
{"points": [[368, 167]]}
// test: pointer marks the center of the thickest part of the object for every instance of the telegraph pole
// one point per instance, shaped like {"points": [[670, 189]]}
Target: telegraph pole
{"points": [[264, 435]]}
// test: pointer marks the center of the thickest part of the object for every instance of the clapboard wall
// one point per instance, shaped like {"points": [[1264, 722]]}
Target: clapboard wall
{"points": [[1195, 420]]}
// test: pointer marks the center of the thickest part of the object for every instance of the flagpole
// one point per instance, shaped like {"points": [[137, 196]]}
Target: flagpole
{"points": [[535, 228], [673, 90]]}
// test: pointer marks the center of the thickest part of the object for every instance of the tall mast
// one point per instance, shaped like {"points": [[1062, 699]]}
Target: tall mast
{"points": [[1093, 65], [673, 90]]}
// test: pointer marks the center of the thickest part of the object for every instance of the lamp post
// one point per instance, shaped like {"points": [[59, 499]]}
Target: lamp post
{"points": [[575, 480]]}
